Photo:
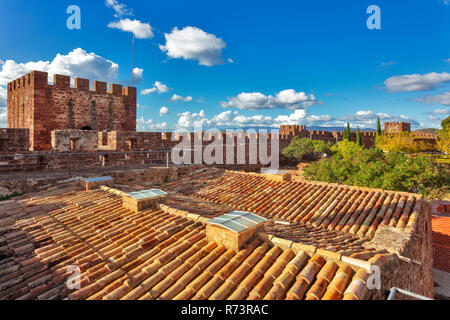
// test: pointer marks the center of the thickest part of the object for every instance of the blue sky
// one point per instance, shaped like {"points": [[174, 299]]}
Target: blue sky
{"points": [[235, 64]]}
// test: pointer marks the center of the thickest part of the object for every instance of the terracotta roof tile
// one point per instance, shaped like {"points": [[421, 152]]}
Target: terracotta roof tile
{"points": [[160, 255], [352, 210]]}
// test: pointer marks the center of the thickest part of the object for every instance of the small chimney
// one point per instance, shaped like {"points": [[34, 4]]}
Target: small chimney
{"points": [[95, 183], [276, 175], [141, 200], [233, 230]]}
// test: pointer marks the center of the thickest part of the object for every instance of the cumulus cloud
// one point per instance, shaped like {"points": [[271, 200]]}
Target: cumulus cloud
{"points": [[157, 87], [163, 111], [119, 8], [77, 63], [416, 82], [177, 97], [443, 99], [233, 119], [286, 99], [440, 111], [368, 119], [191, 43], [148, 125], [139, 29]]}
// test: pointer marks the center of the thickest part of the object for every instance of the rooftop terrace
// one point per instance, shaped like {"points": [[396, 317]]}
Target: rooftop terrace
{"points": [[314, 245]]}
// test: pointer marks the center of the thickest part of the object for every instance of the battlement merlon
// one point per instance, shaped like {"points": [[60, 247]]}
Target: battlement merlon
{"points": [[39, 80]]}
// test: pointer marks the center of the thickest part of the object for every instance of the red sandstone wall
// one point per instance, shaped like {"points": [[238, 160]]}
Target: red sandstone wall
{"points": [[14, 140], [41, 107], [396, 127]]}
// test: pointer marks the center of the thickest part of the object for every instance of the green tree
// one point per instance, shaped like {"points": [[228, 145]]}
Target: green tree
{"points": [[299, 148], [359, 138], [379, 132], [446, 123], [443, 143], [321, 146], [346, 135], [373, 169]]}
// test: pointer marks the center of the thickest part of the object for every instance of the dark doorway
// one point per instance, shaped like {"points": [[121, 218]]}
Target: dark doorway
{"points": [[87, 128]]}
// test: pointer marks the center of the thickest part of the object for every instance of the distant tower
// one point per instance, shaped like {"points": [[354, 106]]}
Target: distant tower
{"points": [[397, 127]]}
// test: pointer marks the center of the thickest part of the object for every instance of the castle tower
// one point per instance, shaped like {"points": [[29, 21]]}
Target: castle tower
{"points": [[41, 107], [397, 127]]}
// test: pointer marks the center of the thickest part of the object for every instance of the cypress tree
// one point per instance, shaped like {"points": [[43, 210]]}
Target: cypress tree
{"points": [[347, 133], [379, 132], [358, 138]]}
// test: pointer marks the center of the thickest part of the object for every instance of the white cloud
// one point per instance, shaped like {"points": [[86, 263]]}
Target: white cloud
{"points": [[149, 125], [286, 99], [416, 82], [119, 8], [77, 63], [138, 74], [443, 99], [195, 44], [233, 119], [1, 61], [163, 111], [139, 29], [368, 119], [230, 60], [440, 111], [157, 87], [177, 97]]}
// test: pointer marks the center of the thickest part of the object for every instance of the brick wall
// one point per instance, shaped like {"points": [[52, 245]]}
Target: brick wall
{"points": [[14, 140], [35, 104], [396, 127], [414, 242], [74, 141]]}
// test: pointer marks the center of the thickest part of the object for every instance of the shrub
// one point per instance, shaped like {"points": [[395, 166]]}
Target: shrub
{"points": [[372, 168]]}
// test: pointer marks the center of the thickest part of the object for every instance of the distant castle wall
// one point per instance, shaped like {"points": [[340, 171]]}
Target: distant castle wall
{"points": [[287, 132]]}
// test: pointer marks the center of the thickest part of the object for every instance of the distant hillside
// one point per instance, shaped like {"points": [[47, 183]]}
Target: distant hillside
{"points": [[429, 130]]}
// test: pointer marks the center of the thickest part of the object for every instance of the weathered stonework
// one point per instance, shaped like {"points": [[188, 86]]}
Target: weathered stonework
{"points": [[397, 127], [36, 105], [74, 141], [14, 140]]}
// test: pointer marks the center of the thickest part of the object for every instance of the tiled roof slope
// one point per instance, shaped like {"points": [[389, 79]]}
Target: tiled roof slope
{"points": [[352, 210], [150, 255]]}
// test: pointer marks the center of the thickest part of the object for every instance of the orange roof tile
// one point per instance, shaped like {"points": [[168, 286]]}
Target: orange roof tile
{"points": [[150, 255]]}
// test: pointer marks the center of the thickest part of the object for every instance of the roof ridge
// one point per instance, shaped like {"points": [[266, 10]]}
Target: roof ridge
{"points": [[312, 182]]}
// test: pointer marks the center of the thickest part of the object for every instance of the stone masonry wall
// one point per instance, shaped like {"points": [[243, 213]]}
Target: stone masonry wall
{"points": [[35, 104], [414, 243], [14, 140], [74, 141]]}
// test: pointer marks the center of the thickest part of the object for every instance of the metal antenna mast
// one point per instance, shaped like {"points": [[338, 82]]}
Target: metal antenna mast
{"points": [[132, 61]]}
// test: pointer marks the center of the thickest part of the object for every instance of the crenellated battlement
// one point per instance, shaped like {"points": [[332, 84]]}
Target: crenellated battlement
{"points": [[42, 106], [39, 79]]}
